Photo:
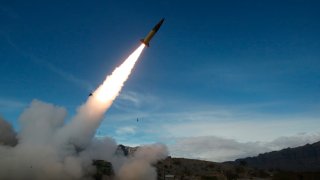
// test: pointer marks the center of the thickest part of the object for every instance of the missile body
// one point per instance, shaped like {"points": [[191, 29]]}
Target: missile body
{"points": [[147, 39]]}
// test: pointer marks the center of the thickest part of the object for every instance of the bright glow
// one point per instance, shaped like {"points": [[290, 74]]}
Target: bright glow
{"points": [[84, 124], [105, 94]]}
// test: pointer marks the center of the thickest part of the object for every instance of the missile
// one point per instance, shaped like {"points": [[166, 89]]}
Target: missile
{"points": [[147, 39]]}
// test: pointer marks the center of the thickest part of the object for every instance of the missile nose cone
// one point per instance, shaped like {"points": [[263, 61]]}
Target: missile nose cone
{"points": [[157, 27], [161, 21]]}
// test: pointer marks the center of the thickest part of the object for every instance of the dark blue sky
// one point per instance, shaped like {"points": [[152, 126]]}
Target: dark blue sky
{"points": [[212, 62]]}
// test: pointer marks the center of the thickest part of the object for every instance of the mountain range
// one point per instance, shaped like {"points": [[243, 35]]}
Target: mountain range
{"points": [[300, 159]]}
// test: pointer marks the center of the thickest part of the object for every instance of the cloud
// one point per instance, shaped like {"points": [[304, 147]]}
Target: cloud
{"points": [[294, 141], [219, 132], [239, 124], [223, 149], [242, 123], [7, 134], [9, 104], [131, 96], [213, 148], [127, 130], [131, 101]]}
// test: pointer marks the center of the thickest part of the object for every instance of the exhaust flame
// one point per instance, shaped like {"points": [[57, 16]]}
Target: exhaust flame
{"points": [[111, 87], [90, 114]]}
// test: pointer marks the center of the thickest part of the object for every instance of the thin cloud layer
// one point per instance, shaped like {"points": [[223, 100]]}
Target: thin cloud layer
{"points": [[222, 149], [127, 130]]}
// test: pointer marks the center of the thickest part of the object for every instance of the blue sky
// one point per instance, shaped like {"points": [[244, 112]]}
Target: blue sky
{"points": [[241, 71]]}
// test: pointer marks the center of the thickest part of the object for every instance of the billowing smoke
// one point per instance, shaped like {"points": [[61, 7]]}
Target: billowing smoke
{"points": [[7, 134], [47, 148], [138, 167]]}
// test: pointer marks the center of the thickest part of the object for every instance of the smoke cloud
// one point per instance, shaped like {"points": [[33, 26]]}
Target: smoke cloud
{"points": [[47, 148], [7, 134], [138, 167]]}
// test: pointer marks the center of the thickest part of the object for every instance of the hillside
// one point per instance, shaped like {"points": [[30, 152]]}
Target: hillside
{"points": [[288, 164], [191, 169], [300, 159]]}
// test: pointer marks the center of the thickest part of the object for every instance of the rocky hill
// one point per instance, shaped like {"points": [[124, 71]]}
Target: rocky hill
{"points": [[300, 159], [287, 164], [126, 150], [191, 169]]}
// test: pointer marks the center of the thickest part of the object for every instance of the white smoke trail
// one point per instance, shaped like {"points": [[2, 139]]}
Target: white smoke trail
{"points": [[48, 149], [82, 127], [111, 87]]}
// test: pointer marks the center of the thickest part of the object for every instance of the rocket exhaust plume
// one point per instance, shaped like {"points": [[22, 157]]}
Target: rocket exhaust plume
{"points": [[82, 127], [46, 148], [111, 87]]}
